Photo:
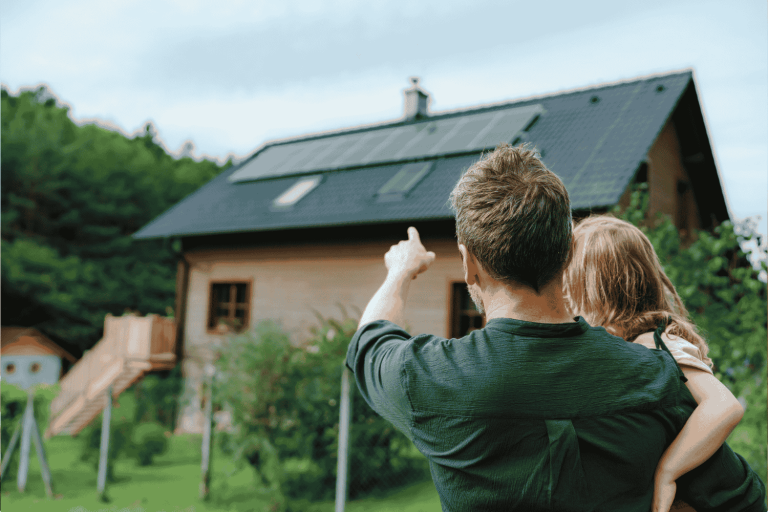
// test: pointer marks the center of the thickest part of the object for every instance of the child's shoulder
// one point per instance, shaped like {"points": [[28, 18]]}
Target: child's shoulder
{"points": [[684, 352]]}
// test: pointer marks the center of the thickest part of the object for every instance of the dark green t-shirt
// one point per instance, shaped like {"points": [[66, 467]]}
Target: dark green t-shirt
{"points": [[527, 416]]}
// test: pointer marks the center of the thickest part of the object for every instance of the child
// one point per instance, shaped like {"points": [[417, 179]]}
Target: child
{"points": [[615, 280]]}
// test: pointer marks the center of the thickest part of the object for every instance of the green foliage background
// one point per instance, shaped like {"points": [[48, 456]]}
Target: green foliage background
{"points": [[284, 403], [13, 401], [723, 292], [143, 418], [71, 198]]}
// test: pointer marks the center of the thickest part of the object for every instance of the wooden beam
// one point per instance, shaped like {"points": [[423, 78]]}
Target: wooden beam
{"points": [[345, 411], [101, 482], [44, 469], [9, 450], [205, 466], [26, 434]]}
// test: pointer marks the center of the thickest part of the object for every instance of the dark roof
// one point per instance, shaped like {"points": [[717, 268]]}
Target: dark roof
{"points": [[595, 139]]}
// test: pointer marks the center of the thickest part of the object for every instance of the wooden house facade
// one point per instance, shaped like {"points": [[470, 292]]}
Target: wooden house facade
{"points": [[303, 224]]}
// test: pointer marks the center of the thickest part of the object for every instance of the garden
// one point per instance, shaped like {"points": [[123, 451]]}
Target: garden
{"points": [[68, 260]]}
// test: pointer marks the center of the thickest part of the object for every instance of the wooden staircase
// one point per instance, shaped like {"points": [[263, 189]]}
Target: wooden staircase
{"points": [[131, 347]]}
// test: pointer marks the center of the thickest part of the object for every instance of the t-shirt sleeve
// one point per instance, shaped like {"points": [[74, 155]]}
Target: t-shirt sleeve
{"points": [[725, 482], [684, 352], [376, 357]]}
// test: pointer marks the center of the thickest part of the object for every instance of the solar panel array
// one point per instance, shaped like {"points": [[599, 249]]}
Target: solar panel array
{"points": [[450, 135]]}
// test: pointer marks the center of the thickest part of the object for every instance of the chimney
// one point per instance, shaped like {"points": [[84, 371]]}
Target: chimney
{"points": [[416, 101]]}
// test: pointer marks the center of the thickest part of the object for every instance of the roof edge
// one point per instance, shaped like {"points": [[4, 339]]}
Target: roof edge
{"points": [[462, 111]]}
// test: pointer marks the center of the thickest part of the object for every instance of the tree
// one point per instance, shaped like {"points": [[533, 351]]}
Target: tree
{"points": [[71, 198], [721, 288]]}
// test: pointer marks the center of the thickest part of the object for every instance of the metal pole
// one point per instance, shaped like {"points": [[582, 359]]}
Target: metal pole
{"points": [[101, 482], [44, 469], [205, 467], [9, 450], [26, 433], [345, 410]]}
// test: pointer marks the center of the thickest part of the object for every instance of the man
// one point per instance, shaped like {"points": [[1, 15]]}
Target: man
{"points": [[538, 410]]}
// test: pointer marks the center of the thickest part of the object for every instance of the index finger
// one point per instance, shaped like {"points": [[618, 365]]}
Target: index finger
{"points": [[413, 234]]}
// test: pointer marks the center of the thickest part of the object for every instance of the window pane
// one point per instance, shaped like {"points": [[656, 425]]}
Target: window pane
{"points": [[221, 292], [463, 325], [241, 289], [223, 310], [466, 301], [465, 317]]}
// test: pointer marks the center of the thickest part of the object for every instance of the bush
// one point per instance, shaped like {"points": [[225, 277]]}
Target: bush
{"points": [[285, 407], [13, 401], [721, 287], [148, 440], [157, 397], [120, 433], [140, 418]]}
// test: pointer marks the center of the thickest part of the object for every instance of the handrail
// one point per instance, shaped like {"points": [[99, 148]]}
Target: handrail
{"points": [[128, 338]]}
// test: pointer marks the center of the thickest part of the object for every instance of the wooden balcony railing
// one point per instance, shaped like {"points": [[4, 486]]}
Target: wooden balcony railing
{"points": [[131, 346]]}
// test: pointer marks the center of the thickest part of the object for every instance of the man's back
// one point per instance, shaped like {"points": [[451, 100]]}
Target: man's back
{"points": [[527, 416]]}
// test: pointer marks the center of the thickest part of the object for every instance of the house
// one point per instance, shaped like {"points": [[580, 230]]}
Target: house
{"points": [[29, 357], [303, 223]]}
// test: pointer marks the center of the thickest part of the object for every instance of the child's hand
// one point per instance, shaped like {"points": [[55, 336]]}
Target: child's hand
{"points": [[664, 490]]}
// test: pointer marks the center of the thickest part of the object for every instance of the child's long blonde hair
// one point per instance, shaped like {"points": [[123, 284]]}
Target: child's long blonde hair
{"points": [[615, 280]]}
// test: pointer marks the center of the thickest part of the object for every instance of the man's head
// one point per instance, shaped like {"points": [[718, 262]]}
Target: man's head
{"points": [[513, 216]]}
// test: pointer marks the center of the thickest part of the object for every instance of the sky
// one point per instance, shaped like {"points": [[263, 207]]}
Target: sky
{"points": [[230, 75]]}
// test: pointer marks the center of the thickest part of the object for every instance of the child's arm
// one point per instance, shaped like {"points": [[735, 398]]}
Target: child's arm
{"points": [[706, 430], [717, 414]]}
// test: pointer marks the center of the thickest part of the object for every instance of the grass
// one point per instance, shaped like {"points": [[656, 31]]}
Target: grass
{"points": [[170, 484]]}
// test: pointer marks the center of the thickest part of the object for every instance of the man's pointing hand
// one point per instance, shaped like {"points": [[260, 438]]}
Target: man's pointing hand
{"points": [[409, 256]]}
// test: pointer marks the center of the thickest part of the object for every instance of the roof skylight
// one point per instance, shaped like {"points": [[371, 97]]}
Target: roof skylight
{"points": [[297, 191], [402, 182]]}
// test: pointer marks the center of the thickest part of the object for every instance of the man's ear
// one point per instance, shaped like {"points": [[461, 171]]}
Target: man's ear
{"points": [[470, 265]]}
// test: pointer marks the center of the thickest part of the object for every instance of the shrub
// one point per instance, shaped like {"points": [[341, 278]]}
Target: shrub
{"points": [[285, 403], [157, 397], [13, 401], [148, 440], [718, 277], [120, 433]]}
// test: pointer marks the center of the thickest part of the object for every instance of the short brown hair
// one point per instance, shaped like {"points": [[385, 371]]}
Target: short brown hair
{"points": [[616, 280], [513, 215]]}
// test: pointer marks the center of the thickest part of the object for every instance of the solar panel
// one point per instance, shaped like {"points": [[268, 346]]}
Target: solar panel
{"points": [[325, 154], [429, 138]]}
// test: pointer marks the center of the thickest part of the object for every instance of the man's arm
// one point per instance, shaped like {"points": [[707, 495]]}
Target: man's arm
{"points": [[404, 262]]}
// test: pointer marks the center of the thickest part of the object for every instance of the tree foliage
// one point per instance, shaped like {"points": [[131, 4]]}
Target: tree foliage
{"points": [[284, 401], [13, 402], [71, 198], [722, 290]]}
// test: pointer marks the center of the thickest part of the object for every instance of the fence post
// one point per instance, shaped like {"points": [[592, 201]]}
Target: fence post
{"points": [[9, 450], [104, 449], [45, 471], [26, 437], [205, 467], [345, 412]]}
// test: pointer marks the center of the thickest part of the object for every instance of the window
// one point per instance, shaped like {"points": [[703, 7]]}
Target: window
{"points": [[298, 190], [402, 182], [465, 317], [229, 306]]}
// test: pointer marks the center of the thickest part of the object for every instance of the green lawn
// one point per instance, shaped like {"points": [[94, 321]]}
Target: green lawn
{"points": [[170, 485]]}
